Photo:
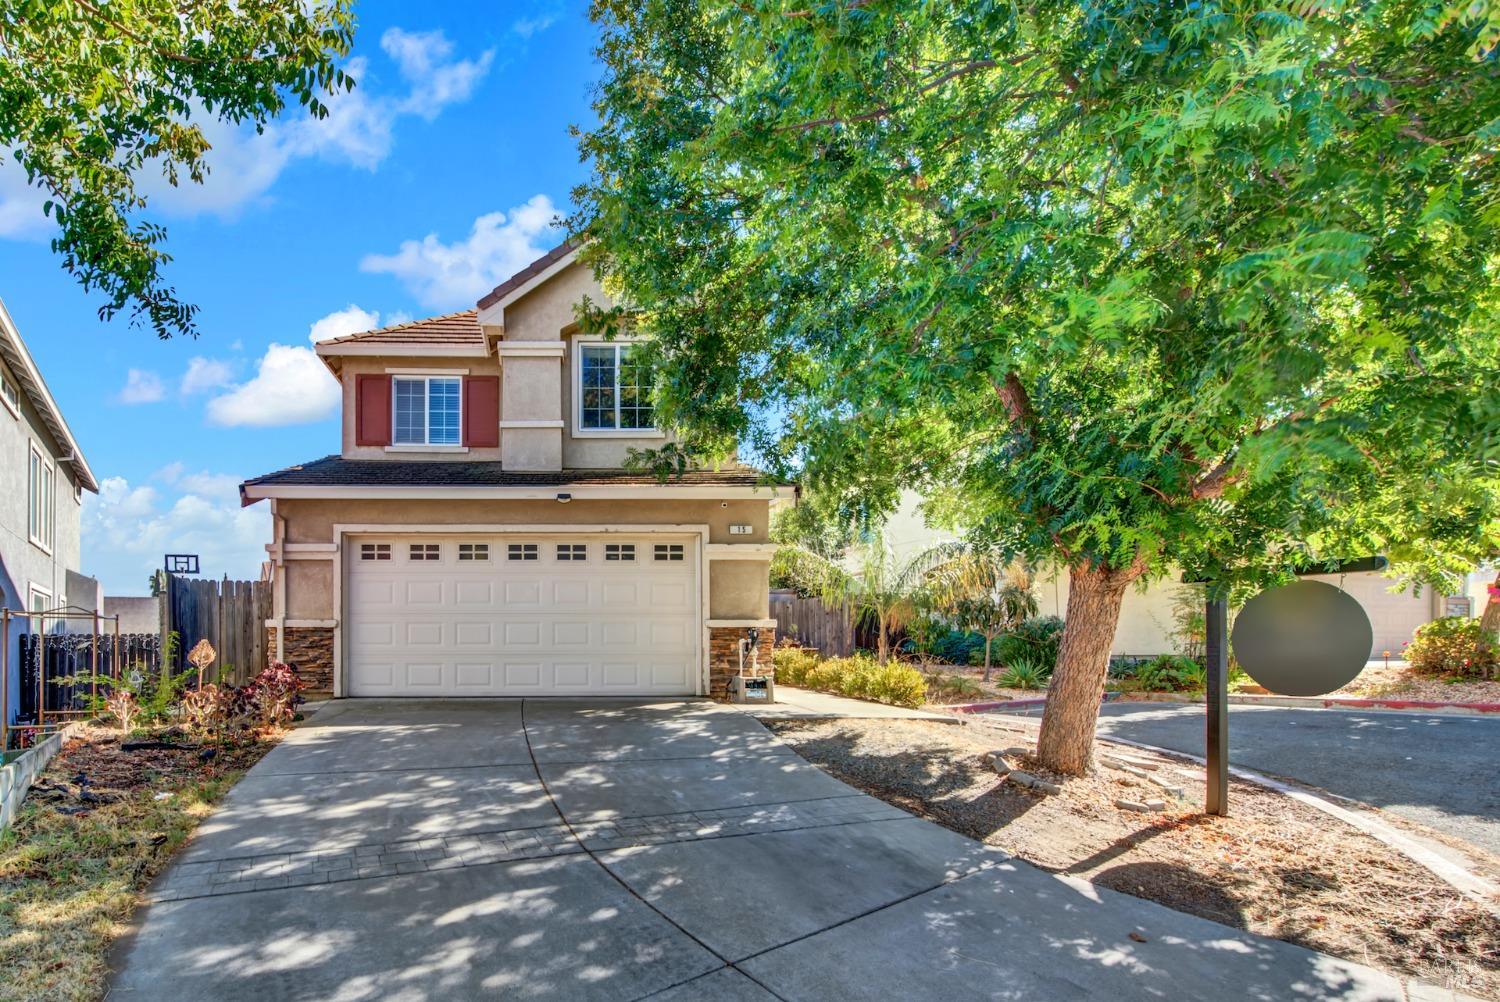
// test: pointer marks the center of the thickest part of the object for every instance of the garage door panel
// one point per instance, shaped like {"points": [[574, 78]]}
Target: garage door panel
{"points": [[542, 624]]}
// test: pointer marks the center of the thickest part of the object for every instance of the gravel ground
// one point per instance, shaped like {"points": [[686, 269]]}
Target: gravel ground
{"points": [[1399, 680], [1277, 867]]}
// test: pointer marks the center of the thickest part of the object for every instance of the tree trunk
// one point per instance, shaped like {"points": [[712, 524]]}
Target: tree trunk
{"points": [[883, 643], [1094, 596], [987, 641], [1489, 622]]}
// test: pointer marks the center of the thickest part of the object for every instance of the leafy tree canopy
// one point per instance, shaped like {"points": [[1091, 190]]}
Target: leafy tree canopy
{"points": [[93, 93], [1145, 284]]}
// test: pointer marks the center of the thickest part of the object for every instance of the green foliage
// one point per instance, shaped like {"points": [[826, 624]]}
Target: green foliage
{"points": [[94, 95], [980, 588], [1452, 647], [793, 663], [1026, 673], [1171, 673], [959, 647], [1148, 284], [817, 523], [859, 676], [1036, 639]]}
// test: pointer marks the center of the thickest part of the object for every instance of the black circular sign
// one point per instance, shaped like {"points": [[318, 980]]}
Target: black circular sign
{"points": [[1307, 638]]}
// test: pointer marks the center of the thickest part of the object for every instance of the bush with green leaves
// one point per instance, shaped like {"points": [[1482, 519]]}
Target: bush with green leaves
{"points": [[1452, 647], [1037, 640], [793, 663], [861, 676], [1025, 673], [1171, 673]]}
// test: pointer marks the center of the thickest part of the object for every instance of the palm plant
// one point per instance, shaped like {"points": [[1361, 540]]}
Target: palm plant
{"points": [[872, 582], [981, 590]]}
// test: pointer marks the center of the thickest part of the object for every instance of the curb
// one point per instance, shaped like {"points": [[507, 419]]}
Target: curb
{"points": [[1323, 703], [1414, 848], [1012, 704]]}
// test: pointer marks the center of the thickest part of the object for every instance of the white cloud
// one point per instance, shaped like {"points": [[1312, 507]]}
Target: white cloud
{"points": [[435, 80], [447, 276], [291, 386], [142, 386], [350, 320], [206, 374], [357, 131], [528, 26], [170, 473], [21, 214], [127, 529]]}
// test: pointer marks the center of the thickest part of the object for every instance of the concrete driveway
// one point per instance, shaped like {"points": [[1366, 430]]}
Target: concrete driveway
{"points": [[421, 850]]}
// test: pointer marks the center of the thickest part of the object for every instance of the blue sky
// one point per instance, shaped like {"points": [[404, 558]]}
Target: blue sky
{"points": [[423, 189]]}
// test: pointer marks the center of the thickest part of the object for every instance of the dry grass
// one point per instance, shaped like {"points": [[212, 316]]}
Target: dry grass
{"points": [[1275, 867], [91, 835]]}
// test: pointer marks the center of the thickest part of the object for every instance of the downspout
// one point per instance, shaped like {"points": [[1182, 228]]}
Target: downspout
{"points": [[278, 579]]}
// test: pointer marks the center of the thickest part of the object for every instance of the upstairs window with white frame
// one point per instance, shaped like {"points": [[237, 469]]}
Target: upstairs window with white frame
{"points": [[426, 410], [10, 394], [614, 388], [41, 487]]}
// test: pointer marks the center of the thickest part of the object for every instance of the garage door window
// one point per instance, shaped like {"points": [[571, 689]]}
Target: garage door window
{"points": [[375, 551], [426, 410], [425, 551], [521, 551], [668, 551], [619, 551], [473, 551], [572, 551]]}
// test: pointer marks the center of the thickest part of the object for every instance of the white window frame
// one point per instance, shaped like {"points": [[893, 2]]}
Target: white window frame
{"points": [[10, 394], [578, 430], [41, 499], [427, 445], [33, 592]]}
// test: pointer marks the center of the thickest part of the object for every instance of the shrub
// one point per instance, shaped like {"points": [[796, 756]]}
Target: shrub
{"points": [[957, 647], [1024, 674], [955, 687], [860, 676], [793, 664], [1453, 647], [1171, 673], [1036, 641], [274, 693]]}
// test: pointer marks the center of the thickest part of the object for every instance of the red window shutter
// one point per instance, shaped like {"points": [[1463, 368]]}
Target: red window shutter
{"points": [[482, 411], [372, 410]]}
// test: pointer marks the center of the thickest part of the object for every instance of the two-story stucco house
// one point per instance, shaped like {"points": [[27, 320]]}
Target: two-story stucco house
{"points": [[42, 479], [478, 535]]}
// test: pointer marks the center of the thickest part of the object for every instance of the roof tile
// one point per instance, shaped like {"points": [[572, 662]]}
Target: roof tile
{"points": [[335, 471], [450, 328]]}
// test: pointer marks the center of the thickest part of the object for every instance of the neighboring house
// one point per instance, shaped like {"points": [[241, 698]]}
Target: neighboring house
{"points": [[45, 476], [478, 534], [1147, 616]]}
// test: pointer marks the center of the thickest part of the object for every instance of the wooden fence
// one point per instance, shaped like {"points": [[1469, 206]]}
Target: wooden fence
{"points": [[810, 623], [231, 615]]}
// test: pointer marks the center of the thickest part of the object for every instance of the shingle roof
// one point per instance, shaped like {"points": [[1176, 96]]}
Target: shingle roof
{"points": [[335, 471], [449, 329], [527, 273]]}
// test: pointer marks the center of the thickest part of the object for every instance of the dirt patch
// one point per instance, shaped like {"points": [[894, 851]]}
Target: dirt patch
{"points": [[978, 690], [99, 824], [1399, 681], [1276, 867]]}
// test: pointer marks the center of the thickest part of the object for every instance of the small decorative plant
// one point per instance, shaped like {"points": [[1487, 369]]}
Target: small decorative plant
{"points": [[201, 657]]}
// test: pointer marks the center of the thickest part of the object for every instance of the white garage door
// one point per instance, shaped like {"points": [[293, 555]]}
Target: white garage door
{"points": [[514, 615]]}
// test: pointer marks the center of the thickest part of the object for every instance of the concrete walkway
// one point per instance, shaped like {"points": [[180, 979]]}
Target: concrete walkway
{"points": [[805, 704], [422, 850]]}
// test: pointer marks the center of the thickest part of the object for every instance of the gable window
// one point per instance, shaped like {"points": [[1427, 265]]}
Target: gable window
{"points": [[10, 394], [426, 410], [40, 485], [614, 388]]}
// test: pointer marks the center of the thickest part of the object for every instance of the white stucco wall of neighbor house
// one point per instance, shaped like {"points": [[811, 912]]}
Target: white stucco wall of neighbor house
{"points": [[1147, 615]]}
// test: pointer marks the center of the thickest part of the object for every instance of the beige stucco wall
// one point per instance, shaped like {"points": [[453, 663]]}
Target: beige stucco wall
{"points": [[353, 366], [546, 311], [309, 589], [739, 589]]}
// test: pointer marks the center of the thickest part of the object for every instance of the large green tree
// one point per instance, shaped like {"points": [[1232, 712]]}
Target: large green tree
{"points": [[1148, 285], [94, 92]]}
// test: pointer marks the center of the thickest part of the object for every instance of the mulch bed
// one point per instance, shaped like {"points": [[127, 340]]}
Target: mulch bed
{"points": [[98, 825], [1400, 682], [1275, 867]]}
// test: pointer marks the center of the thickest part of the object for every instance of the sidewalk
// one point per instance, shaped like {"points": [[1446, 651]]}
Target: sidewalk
{"points": [[804, 704]]}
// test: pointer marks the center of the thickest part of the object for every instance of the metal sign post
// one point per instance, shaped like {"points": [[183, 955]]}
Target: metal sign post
{"points": [[1216, 732], [1216, 698]]}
